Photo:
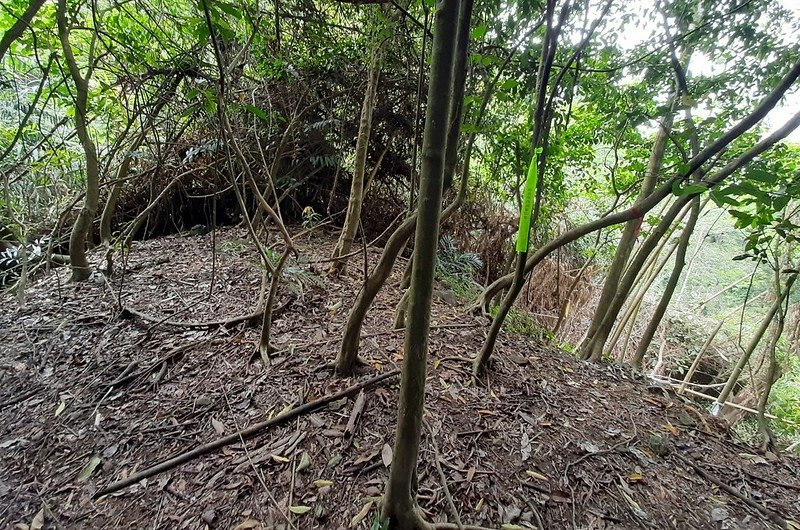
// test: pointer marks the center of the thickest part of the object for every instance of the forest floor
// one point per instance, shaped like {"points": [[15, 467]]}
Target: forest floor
{"points": [[543, 440]]}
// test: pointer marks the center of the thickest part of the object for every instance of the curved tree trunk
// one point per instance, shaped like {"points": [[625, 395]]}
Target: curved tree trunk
{"points": [[537, 165], [644, 206], [348, 353], [399, 506], [772, 375], [83, 224]]}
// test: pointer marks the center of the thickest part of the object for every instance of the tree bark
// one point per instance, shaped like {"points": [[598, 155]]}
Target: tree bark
{"points": [[772, 375], [629, 236], [644, 206], [19, 26], [357, 188], [399, 505], [83, 224], [669, 290], [539, 130], [751, 346]]}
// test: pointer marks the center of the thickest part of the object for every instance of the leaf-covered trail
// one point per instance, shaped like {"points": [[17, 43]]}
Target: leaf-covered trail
{"points": [[89, 396]]}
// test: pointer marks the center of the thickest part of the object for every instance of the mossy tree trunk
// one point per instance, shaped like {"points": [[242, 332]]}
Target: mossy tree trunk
{"points": [[399, 504]]}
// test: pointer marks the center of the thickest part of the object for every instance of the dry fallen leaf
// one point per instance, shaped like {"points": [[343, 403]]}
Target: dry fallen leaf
{"points": [[218, 426], [305, 461], [386, 455], [534, 474], [248, 524], [525, 446], [357, 518], [89, 468], [471, 473], [38, 520]]}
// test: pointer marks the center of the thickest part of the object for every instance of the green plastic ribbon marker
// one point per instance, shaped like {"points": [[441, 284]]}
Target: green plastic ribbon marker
{"points": [[525, 213]]}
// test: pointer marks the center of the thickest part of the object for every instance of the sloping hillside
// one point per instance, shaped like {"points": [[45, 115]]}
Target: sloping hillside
{"points": [[91, 394]]}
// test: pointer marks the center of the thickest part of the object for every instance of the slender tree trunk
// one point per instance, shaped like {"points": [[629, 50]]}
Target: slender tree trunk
{"points": [[649, 274], [451, 156], [399, 504], [669, 290], [83, 224], [540, 129], [696, 363], [629, 235], [348, 353], [752, 345], [168, 90], [773, 372], [357, 188], [627, 281]]}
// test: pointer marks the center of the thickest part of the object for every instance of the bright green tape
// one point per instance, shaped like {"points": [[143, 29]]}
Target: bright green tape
{"points": [[527, 205]]}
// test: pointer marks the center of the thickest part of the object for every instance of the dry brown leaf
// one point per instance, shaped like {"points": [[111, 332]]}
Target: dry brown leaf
{"points": [[38, 520], [248, 524], [357, 518], [386, 455]]}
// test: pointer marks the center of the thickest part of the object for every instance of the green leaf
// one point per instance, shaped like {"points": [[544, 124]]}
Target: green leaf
{"points": [[479, 31], [257, 112], [508, 84], [229, 9], [762, 176], [691, 189], [299, 510]]}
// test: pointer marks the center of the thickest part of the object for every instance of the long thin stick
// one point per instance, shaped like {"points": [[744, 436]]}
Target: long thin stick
{"points": [[771, 515], [249, 432]]}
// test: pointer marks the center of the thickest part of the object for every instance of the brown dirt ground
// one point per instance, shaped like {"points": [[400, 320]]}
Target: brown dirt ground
{"points": [[543, 436]]}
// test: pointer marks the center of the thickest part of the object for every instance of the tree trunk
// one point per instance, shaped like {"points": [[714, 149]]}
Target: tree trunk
{"points": [[83, 224], [629, 235], [751, 347], [540, 129], [357, 188], [598, 341], [168, 90], [399, 505], [772, 375], [669, 290]]}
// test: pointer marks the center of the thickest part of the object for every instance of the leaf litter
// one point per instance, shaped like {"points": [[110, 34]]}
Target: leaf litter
{"points": [[539, 444]]}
